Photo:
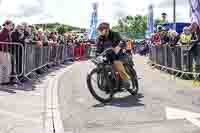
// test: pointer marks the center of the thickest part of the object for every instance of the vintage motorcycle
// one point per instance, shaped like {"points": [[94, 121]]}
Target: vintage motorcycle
{"points": [[107, 79]]}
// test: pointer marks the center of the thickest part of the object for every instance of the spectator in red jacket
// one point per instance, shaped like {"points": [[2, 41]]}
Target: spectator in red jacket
{"points": [[5, 32], [5, 58], [156, 38]]}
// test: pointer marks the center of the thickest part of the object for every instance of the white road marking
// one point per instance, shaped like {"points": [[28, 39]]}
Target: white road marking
{"points": [[52, 101], [194, 121], [173, 113]]}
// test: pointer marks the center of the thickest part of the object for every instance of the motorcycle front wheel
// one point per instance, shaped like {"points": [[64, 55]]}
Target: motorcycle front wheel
{"points": [[96, 83]]}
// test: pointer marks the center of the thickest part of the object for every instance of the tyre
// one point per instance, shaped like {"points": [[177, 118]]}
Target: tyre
{"points": [[134, 80], [101, 86]]}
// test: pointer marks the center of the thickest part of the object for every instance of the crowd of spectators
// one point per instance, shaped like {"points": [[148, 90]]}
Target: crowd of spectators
{"points": [[165, 36], [27, 34], [189, 37]]}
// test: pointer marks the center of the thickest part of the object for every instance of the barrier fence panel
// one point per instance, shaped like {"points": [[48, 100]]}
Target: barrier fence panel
{"points": [[93, 51], [56, 51], [186, 59], [154, 53], [65, 56], [157, 55], [150, 53], [165, 59], [29, 59], [11, 60], [53, 54], [45, 55], [62, 52], [87, 51], [169, 56], [21, 60], [196, 58], [177, 58], [38, 56], [70, 52], [35, 58], [59, 53], [162, 55]]}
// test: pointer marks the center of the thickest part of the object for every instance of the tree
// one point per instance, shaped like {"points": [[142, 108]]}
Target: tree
{"points": [[157, 22], [62, 29], [133, 25]]}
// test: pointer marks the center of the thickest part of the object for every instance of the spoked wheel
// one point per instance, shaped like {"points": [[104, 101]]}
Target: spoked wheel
{"points": [[98, 87], [100, 81], [134, 80]]}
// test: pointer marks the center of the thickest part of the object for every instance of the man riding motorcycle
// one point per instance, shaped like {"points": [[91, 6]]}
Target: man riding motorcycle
{"points": [[109, 39]]}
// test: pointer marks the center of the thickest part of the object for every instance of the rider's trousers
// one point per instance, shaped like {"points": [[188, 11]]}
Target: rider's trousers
{"points": [[119, 67]]}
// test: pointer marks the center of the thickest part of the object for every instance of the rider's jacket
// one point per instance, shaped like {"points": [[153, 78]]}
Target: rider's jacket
{"points": [[112, 40], [104, 43]]}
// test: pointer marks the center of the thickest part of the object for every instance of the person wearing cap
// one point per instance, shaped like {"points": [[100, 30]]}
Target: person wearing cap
{"points": [[164, 18], [109, 39]]}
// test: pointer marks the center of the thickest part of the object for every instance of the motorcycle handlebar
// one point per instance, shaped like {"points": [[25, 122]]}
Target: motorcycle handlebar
{"points": [[104, 52]]}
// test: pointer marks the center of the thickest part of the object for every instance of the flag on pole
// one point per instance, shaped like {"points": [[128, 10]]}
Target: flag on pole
{"points": [[195, 7], [93, 23], [150, 23]]}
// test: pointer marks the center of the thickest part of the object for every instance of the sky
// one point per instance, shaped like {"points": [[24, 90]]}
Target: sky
{"points": [[78, 12]]}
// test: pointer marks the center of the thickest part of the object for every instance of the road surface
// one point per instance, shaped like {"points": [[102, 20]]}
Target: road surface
{"points": [[162, 105]]}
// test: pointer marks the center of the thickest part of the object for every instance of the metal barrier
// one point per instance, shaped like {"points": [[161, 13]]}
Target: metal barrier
{"points": [[176, 59], [93, 51], [22, 60], [11, 59], [35, 58]]}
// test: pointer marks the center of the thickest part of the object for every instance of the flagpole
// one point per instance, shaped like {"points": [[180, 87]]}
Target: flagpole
{"points": [[190, 9], [174, 14]]}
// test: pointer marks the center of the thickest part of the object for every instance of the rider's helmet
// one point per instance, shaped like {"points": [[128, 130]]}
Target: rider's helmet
{"points": [[103, 25]]}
